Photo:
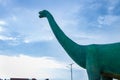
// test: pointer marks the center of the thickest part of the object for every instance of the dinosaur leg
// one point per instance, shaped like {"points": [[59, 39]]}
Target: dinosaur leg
{"points": [[93, 75], [106, 78], [92, 67]]}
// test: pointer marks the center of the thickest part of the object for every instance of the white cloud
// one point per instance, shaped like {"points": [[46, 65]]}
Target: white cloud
{"points": [[2, 22], [40, 37], [14, 18], [5, 35], [1, 29], [26, 66], [112, 4], [6, 38], [108, 20]]}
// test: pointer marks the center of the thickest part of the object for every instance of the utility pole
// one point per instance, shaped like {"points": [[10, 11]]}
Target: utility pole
{"points": [[71, 70]]}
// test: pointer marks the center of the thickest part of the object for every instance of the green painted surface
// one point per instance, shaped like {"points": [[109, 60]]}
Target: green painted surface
{"points": [[97, 59]]}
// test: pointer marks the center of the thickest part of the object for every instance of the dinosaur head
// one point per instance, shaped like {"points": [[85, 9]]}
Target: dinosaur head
{"points": [[43, 13]]}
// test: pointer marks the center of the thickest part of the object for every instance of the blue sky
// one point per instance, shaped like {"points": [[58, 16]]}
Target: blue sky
{"points": [[27, 40]]}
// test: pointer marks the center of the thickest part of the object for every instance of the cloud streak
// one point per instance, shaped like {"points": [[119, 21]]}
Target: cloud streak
{"points": [[2, 22], [26, 66]]}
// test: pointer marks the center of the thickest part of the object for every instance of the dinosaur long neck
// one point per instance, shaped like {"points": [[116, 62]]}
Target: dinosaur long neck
{"points": [[75, 51]]}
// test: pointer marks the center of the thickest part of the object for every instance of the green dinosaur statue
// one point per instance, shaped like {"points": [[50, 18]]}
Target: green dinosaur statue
{"points": [[102, 61]]}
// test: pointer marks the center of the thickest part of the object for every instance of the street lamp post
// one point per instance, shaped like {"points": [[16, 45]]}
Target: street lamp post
{"points": [[71, 71]]}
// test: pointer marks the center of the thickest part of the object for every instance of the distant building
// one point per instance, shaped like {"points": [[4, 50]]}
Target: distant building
{"points": [[19, 78], [1, 79], [34, 79]]}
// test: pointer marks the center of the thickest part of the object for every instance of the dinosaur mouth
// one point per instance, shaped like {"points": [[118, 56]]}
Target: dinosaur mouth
{"points": [[40, 14]]}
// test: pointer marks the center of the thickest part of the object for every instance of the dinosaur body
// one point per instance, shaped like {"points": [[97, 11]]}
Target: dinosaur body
{"points": [[100, 61]]}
